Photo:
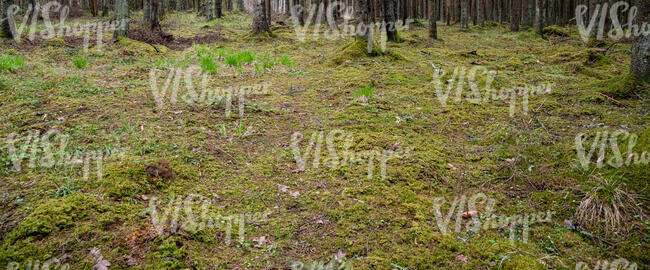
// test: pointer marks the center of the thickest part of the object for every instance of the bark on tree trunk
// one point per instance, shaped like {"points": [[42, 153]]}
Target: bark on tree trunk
{"points": [[433, 28], [365, 30], [260, 23], [218, 8], [209, 9], [539, 24], [122, 14], [640, 64], [105, 4], [147, 10], [267, 9], [389, 18], [514, 16], [8, 24], [480, 10], [464, 17], [155, 23]]}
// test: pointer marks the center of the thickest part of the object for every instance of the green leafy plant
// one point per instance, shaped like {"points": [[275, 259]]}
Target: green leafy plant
{"points": [[79, 62], [232, 60], [246, 57], [268, 64], [286, 60], [223, 52], [11, 63], [208, 65]]}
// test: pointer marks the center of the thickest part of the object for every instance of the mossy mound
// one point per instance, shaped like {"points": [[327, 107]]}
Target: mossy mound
{"points": [[58, 214], [55, 42], [523, 263], [554, 30], [622, 86], [264, 36], [354, 50], [126, 179], [133, 47]]}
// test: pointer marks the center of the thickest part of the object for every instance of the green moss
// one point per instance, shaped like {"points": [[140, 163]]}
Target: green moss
{"points": [[125, 179], [168, 255], [523, 263], [354, 50], [133, 47], [57, 214], [622, 86], [554, 30], [55, 42]]}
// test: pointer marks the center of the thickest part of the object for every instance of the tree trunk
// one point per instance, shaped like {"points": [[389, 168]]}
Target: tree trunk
{"points": [[155, 22], [122, 15], [447, 14], [105, 4], [219, 10], [433, 28], [260, 23], [515, 8], [365, 32], [464, 17], [209, 10], [240, 5], [539, 24], [267, 9], [7, 20], [390, 19], [640, 64], [146, 10], [480, 11]]}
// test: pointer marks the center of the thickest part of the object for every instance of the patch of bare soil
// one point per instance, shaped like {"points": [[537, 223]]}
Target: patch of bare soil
{"points": [[175, 43]]}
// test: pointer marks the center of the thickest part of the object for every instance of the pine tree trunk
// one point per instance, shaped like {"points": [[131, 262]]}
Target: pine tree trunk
{"points": [[122, 15], [390, 19], [155, 22], [267, 9], [260, 23], [209, 9], [433, 28], [7, 20], [240, 4], [105, 4], [146, 10], [480, 12], [640, 64], [219, 10], [464, 18], [447, 14], [515, 8], [539, 24]]}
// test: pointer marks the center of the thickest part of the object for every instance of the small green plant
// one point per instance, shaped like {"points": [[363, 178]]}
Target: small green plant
{"points": [[232, 60], [246, 57], [286, 60], [224, 131], [366, 91], [208, 65], [268, 64], [240, 129], [62, 190], [223, 52], [11, 63], [79, 62]]}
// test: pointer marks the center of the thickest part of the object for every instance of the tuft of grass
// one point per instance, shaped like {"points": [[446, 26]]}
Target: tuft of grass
{"points": [[286, 60], [246, 57], [11, 63], [223, 52], [607, 205], [79, 62], [268, 64], [208, 65], [233, 60], [366, 92]]}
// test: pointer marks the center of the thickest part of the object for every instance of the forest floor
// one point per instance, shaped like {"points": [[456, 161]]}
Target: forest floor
{"points": [[241, 165]]}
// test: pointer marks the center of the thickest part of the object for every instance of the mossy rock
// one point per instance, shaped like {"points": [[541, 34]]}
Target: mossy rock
{"points": [[554, 30], [523, 263], [133, 47], [54, 42], [58, 214], [126, 179]]}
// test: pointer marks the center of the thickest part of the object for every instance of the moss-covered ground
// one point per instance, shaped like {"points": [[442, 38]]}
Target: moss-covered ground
{"points": [[525, 162]]}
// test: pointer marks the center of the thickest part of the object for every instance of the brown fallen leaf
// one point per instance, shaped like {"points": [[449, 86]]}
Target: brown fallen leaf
{"points": [[470, 214]]}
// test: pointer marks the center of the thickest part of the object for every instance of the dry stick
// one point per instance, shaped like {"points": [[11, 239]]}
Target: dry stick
{"points": [[612, 100]]}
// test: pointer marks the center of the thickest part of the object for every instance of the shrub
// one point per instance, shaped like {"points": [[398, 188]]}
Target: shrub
{"points": [[79, 62], [11, 63]]}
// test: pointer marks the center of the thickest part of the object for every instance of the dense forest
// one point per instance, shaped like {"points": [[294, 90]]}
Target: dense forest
{"points": [[323, 134]]}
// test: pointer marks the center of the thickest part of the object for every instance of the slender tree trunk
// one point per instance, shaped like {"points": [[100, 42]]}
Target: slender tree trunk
{"points": [[146, 10], [155, 22], [514, 16], [640, 64], [433, 28], [209, 9], [260, 23], [464, 18], [122, 15], [241, 7], [390, 19], [219, 10], [267, 9], [539, 24], [480, 12], [7, 20], [105, 4], [364, 16], [447, 13]]}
